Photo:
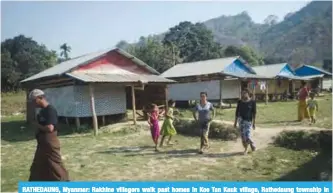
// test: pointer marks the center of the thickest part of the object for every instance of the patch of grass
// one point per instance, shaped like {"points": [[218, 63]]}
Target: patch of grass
{"points": [[129, 155], [278, 113], [217, 130], [311, 140], [13, 103]]}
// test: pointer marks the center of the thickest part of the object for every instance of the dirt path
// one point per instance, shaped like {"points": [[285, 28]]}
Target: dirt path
{"points": [[261, 136]]}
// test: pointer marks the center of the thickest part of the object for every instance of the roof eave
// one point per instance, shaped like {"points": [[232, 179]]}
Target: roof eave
{"points": [[165, 81]]}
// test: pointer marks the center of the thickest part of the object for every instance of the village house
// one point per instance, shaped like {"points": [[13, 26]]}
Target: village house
{"points": [[279, 80], [220, 78], [319, 78], [98, 86]]}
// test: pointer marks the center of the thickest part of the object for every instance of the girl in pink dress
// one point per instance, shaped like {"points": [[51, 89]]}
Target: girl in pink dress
{"points": [[154, 126]]}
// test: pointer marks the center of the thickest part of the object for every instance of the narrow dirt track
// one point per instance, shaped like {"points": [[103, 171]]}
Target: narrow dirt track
{"points": [[261, 136]]}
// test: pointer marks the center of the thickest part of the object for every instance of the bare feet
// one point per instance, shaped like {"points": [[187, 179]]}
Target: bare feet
{"points": [[206, 147], [246, 150]]}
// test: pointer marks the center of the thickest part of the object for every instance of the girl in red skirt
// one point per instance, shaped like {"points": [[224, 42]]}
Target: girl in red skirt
{"points": [[153, 123]]}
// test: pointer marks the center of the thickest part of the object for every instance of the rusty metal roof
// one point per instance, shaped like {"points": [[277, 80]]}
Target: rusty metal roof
{"points": [[119, 78], [68, 65]]}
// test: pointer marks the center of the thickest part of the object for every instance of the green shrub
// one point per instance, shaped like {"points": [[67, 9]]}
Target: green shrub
{"points": [[299, 140], [217, 130]]}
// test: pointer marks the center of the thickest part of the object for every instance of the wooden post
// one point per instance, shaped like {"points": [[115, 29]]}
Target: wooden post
{"points": [[240, 88], [133, 105], [266, 93], [254, 92], [293, 89], [221, 98], [67, 122], [28, 108], [166, 98], [103, 120], [93, 111], [77, 123]]}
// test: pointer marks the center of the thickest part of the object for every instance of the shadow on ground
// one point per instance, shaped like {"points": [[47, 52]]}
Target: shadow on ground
{"points": [[184, 153], [18, 130], [318, 169], [292, 123], [136, 149]]}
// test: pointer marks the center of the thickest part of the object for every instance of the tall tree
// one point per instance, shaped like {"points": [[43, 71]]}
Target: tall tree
{"points": [[194, 41], [271, 20], [65, 50], [273, 60], [154, 53], [22, 57], [123, 45], [247, 53], [288, 15]]}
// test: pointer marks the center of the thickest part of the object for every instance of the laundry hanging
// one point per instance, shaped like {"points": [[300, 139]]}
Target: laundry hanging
{"points": [[262, 85]]}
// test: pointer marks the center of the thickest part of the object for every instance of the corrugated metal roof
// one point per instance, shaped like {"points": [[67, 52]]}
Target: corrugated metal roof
{"points": [[314, 76], [118, 78], [70, 64], [269, 71], [246, 76], [199, 68], [282, 70], [307, 70], [293, 77], [319, 69]]}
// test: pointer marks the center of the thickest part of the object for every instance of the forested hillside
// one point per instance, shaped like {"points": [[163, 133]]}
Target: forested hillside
{"points": [[301, 37], [305, 36]]}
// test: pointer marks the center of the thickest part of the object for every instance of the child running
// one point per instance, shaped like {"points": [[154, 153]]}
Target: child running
{"points": [[153, 123], [168, 128], [313, 107], [246, 115]]}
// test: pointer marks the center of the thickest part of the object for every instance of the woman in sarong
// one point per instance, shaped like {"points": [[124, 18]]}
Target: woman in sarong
{"points": [[168, 128], [303, 94], [47, 164]]}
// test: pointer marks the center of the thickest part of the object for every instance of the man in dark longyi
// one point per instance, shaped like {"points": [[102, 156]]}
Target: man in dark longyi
{"points": [[47, 164]]}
